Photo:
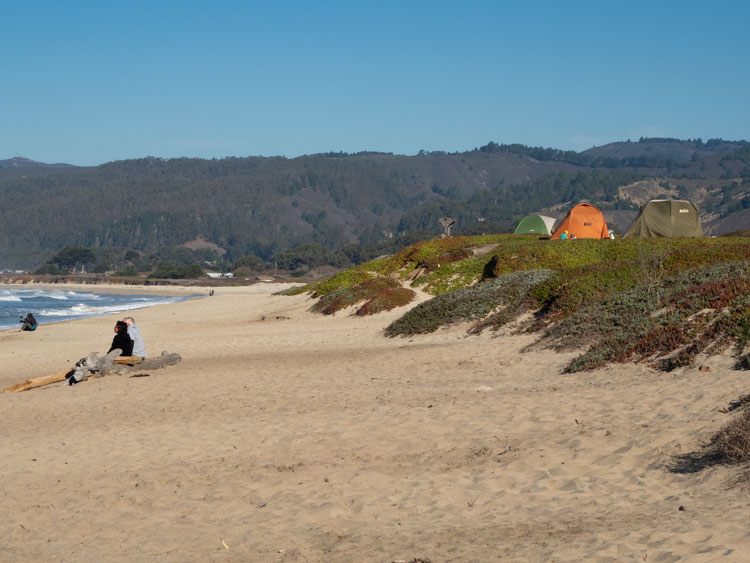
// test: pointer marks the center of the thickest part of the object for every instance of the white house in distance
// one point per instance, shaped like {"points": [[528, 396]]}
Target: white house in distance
{"points": [[216, 275]]}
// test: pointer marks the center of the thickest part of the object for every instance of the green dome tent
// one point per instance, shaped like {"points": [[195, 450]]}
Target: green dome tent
{"points": [[535, 225], [666, 218]]}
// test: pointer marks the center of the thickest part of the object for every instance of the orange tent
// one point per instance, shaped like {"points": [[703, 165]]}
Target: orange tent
{"points": [[583, 221]]}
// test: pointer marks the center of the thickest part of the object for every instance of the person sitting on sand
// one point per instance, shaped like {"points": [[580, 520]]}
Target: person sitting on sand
{"points": [[139, 348], [29, 322], [122, 340]]}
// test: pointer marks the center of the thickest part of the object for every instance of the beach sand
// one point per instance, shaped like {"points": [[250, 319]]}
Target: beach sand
{"points": [[289, 436]]}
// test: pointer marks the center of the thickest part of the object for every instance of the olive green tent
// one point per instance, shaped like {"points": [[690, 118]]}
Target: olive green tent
{"points": [[535, 225], [666, 218]]}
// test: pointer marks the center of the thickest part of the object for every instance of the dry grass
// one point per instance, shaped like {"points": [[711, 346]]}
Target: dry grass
{"points": [[733, 441]]}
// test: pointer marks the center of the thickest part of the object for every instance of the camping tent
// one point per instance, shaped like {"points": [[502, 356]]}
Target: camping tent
{"points": [[583, 221], [535, 225], [666, 218]]}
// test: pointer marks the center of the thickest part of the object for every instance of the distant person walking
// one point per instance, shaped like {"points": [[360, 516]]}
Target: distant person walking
{"points": [[139, 348]]}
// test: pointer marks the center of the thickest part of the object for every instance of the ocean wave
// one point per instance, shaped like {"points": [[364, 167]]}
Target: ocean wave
{"points": [[40, 294], [90, 296], [49, 306], [84, 310]]}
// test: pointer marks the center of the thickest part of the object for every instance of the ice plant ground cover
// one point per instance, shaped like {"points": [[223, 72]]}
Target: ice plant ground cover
{"points": [[663, 301]]}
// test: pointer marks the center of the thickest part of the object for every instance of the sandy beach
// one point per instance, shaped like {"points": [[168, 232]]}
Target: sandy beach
{"points": [[288, 436]]}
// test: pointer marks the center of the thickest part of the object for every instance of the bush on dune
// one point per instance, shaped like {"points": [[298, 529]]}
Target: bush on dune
{"points": [[688, 314], [387, 299], [473, 303], [433, 255], [733, 441], [348, 296], [658, 300]]}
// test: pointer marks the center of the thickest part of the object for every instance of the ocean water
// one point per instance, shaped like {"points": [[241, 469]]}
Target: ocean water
{"points": [[50, 306]]}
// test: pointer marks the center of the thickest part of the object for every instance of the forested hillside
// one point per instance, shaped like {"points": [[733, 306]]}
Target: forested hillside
{"points": [[260, 206]]}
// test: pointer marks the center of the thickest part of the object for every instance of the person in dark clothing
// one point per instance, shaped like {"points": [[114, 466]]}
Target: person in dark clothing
{"points": [[29, 322], [122, 340]]}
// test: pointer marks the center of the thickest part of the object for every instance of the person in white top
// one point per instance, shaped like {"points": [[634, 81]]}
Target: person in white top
{"points": [[139, 348]]}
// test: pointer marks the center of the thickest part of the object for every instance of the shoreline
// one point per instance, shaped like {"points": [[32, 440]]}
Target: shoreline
{"points": [[179, 293], [112, 288], [183, 292]]}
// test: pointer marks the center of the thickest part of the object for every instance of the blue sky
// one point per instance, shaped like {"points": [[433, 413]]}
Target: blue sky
{"points": [[86, 82]]}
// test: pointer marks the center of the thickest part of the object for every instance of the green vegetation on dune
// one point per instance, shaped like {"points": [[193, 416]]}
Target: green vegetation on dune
{"points": [[425, 254], [668, 324], [387, 299], [377, 292], [474, 303], [664, 301]]}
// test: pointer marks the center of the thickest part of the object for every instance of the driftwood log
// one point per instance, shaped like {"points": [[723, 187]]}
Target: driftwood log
{"points": [[94, 366], [38, 381]]}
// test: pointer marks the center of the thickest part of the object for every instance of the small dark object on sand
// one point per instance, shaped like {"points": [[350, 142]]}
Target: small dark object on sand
{"points": [[141, 375]]}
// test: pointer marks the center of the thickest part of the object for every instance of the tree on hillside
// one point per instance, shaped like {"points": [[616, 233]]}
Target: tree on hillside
{"points": [[71, 257]]}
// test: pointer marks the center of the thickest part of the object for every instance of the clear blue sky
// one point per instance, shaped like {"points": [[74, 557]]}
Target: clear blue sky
{"points": [[87, 82]]}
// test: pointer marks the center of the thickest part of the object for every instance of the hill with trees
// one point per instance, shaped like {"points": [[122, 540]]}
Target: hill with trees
{"points": [[186, 210]]}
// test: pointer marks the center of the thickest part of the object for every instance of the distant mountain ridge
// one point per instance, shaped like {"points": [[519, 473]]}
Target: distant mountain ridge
{"points": [[23, 162], [265, 205], [674, 149], [20, 167]]}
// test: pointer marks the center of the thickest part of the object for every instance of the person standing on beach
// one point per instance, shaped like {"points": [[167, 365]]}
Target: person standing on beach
{"points": [[139, 348]]}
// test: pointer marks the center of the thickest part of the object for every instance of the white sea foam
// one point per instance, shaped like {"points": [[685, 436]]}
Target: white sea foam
{"points": [[41, 294], [89, 296], [84, 310]]}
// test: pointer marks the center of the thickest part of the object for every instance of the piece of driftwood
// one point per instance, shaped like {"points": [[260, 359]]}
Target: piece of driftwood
{"points": [[128, 360], [38, 381], [150, 362], [95, 366]]}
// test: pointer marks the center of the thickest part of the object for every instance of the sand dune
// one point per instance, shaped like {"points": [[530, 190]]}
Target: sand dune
{"points": [[288, 436]]}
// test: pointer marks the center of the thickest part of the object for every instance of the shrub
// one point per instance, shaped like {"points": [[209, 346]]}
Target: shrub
{"points": [[49, 268], [733, 441], [386, 300], [434, 262], [168, 271], [467, 304], [342, 280], [129, 272], [693, 312], [348, 296]]}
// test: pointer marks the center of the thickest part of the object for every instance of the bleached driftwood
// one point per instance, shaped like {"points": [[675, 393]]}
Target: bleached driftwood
{"points": [[156, 362], [95, 366], [129, 360], [38, 381]]}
